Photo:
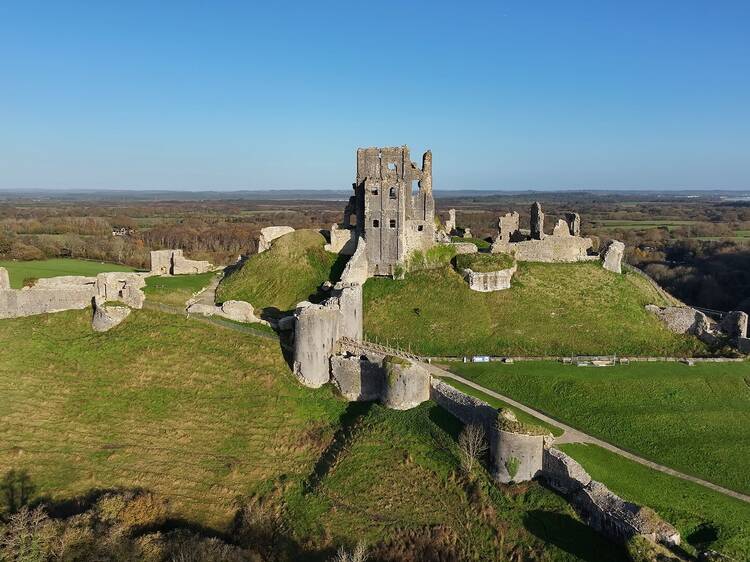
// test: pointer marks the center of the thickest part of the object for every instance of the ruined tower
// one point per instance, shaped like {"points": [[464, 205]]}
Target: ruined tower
{"points": [[393, 206]]}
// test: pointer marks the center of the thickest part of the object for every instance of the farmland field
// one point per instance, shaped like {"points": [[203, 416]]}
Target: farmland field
{"points": [[20, 270], [213, 420], [550, 310], [706, 519], [694, 419]]}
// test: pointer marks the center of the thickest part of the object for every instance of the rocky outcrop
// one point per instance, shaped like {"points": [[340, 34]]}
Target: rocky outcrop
{"points": [[682, 319], [612, 260], [107, 317], [269, 234], [356, 270], [487, 281]]}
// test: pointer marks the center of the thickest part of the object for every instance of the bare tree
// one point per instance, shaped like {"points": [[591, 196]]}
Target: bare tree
{"points": [[359, 554], [472, 444]]}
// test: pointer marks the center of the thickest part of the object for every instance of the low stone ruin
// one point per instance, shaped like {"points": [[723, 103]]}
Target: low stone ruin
{"points": [[356, 270], [464, 247], [487, 281], [107, 317], [342, 240], [686, 320], [397, 383], [319, 327], [70, 292], [564, 244], [239, 311], [450, 224], [612, 260], [173, 262], [269, 234], [517, 456]]}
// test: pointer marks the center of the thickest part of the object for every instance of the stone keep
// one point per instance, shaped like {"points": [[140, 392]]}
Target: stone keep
{"points": [[393, 206]]}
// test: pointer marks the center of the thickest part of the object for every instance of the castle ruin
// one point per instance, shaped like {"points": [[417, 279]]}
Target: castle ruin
{"points": [[392, 208]]}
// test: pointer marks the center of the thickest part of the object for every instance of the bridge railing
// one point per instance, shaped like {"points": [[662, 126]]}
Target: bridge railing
{"points": [[356, 346]]}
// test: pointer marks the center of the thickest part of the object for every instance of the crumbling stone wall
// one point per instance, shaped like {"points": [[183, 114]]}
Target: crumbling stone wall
{"points": [[342, 240], [406, 384], [515, 457], [393, 204], [173, 262], [359, 378], [70, 292], [4, 279], [450, 224], [318, 327], [613, 256], [356, 270], [564, 244], [467, 409], [487, 281], [269, 234], [107, 317], [239, 311]]}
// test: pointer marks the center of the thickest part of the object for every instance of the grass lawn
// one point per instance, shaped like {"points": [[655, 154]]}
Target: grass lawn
{"points": [[291, 271], [20, 270], [694, 419], [175, 290], [705, 519], [213, 420], [550, 310], [635, 224]]}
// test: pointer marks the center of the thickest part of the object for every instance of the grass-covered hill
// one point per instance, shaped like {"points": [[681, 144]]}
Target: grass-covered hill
{"points": [[291, 271], [212, 421], [550, 310]]}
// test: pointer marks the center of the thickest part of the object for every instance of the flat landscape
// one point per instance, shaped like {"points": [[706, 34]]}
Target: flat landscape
{"points": [[20, 270], [550, 310], [693, 419]]}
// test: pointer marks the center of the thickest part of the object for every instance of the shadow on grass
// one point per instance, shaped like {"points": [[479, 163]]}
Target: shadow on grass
{"points": [[16, 490], [573, 537], [348, 424]]}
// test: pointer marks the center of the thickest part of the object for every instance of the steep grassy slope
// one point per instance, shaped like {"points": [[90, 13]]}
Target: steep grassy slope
{"points": [[291, 271], [551, 309], [212, 420], [694, 419], [20, 270], [175, 290], [706, 519]]}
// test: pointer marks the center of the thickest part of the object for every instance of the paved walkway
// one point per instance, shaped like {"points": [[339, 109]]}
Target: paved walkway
{"points": [[573, 435]]}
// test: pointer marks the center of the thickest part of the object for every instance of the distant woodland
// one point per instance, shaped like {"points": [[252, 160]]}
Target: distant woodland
{"points": [[697, 247]]}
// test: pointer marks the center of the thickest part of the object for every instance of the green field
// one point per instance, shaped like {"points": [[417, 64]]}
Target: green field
{"points": [[550, 310], [705, 519], [693, 419], [20, 270], [212, 420], [291, 271], [638, 224], [177, 289]]}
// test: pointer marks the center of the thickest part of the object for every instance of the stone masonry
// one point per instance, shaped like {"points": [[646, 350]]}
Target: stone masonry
{"points": [[173, 262], [392, 205]]}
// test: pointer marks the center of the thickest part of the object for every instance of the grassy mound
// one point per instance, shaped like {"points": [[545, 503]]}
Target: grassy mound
{"points": [[552, 309], [478, 242], [212, 421], [38, 269], [291, 271], [693, 419], [177, 289], [484, 262]]}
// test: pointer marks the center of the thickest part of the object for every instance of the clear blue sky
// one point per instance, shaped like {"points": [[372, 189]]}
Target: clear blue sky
{"points": [[508, 95]]}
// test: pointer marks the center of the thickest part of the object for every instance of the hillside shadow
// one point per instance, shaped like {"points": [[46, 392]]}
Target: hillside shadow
{"points": [[16, 490], [573, 537], [348, 424]]}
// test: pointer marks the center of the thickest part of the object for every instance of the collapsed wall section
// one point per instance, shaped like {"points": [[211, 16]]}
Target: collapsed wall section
{"points": [[173, 262], [317, 329]]}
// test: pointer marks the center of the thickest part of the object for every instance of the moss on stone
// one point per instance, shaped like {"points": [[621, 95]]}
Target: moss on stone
{"points": [[507, 421]]}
